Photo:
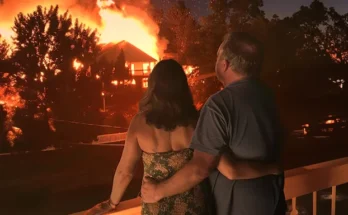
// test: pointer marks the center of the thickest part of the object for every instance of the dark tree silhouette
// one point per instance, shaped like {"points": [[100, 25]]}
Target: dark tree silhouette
{"points": [[120, 70], [4, 49], [182, 32], [47, 44], [244, 14], [214, 27]]}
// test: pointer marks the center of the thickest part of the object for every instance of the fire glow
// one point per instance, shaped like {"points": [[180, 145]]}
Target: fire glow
{"points": [[10, 100], [114, 23], [77, 65], [137, 33]]}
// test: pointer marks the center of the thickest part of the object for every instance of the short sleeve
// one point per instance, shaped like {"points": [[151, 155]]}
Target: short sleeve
{"points": [[210, 135]]}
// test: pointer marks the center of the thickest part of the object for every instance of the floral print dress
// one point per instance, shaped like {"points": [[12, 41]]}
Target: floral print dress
{"points": [[161, 166]]}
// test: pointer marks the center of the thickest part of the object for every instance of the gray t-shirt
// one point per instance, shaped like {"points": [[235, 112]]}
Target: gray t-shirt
{"points": [[242, 117]]}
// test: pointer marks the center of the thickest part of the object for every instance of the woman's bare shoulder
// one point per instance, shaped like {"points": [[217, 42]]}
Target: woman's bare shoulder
{"points": [[139, 119]]}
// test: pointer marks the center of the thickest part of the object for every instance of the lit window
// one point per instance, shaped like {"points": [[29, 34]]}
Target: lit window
{"points": [[132, 68], [145, 83], [152, 65], [146, 67]]}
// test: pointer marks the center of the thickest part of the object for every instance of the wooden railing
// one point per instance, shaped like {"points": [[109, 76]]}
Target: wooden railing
{"points": [[110, 138], [298, 182], [310, 179]]}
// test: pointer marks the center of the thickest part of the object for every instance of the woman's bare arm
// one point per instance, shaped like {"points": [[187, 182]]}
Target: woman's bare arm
{"points": [[233, 169], [124, 172], [127, 165]]}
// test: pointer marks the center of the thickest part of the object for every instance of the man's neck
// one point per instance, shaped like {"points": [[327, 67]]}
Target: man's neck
{"points": [[233, 79]]}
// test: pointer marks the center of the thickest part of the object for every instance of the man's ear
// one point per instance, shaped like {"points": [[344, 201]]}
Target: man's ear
{"points": [[226, 65]]}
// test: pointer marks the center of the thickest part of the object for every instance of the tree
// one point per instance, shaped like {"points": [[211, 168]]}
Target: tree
{"points": [[120, 70], [336, 45], [214, 27], [181, 29], [4, 49], [47, 45], [337, 37], [243, 14], [296, 58]]}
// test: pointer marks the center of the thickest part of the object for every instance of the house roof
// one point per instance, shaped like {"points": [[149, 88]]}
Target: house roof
{"points": [[111, 51]]}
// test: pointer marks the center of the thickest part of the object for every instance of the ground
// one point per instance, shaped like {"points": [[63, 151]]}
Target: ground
{"points": [[77, 177]]}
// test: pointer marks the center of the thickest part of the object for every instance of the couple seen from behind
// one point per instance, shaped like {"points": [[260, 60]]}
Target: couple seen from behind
{"points": [[225, 160]]}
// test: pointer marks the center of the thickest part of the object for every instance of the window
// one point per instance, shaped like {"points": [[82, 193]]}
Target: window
{"points": [[146, 68], [152, 65], [132, 68], [145, 83]]}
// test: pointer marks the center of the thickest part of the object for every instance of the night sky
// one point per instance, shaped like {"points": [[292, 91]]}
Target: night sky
{"points": [[280, 7]]}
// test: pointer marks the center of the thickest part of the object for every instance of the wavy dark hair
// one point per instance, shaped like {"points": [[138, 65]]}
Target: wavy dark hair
{"points": [[168, 101]]}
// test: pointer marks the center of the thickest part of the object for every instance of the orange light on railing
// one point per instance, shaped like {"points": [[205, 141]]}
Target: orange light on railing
{"points": [[329, 122]]}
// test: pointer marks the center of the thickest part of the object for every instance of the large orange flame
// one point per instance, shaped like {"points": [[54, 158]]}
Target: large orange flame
{"points": [[122, 24], [114, 22]]}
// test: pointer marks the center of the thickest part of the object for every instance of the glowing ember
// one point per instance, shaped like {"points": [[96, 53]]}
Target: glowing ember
{"points": [[57, 71], [115, 82], [77, 65], [189, 69], [10, 100]]}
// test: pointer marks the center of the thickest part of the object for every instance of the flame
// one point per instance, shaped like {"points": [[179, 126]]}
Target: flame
{"points": [[9, 10], [10, 100], [115, 23], [77, 65], [119, 25], [189, 69], [115, 82]]}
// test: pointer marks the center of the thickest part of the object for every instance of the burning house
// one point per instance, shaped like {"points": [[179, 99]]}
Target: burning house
{"points": [[138, 63]]}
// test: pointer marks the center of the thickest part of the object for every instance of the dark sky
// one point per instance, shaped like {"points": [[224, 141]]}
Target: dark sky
{"points": [[280, 7]]}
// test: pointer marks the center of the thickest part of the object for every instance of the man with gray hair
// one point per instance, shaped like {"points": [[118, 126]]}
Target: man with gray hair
{"points": [[241, 118]]}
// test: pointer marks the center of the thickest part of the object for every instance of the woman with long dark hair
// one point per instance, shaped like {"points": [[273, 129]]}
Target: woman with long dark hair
{"points": [[160, 134]]}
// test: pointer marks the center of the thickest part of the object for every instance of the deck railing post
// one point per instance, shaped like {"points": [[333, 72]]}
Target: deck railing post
{"points": [[333, 201], [315, 203], [294, 207]]}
